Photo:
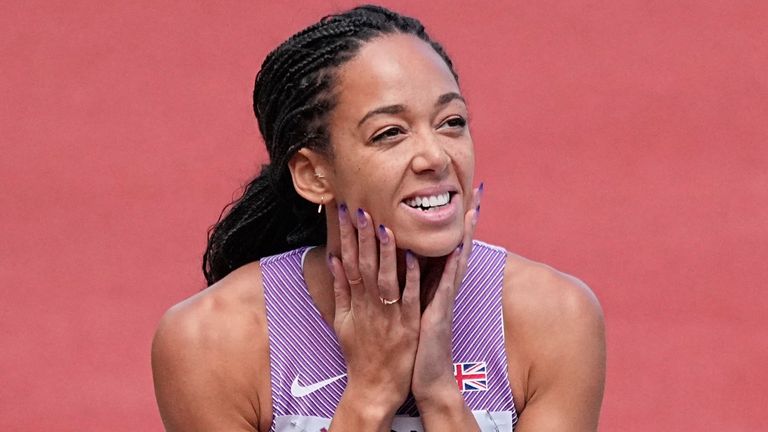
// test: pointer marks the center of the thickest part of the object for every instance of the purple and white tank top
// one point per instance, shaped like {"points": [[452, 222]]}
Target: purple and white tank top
{"points": [[307, 368]]}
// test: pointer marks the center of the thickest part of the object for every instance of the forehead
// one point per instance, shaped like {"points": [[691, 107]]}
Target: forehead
{"points": [[392, 69]]}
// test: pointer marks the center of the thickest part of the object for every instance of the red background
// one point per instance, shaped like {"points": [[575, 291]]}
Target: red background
{"points": [[620, 141]]}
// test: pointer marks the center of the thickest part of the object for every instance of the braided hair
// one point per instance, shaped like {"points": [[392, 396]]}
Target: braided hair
{"points": [[292, 98]]}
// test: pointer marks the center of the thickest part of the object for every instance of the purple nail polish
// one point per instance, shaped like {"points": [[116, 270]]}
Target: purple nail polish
{"points": [[480, 189], [342, 212], [362, 222], [410, 259], [460, 248], [383, 236], [329, 261]]}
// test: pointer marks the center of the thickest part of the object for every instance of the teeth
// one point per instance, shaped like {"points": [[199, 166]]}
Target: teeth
{"points": [[427, 202]]}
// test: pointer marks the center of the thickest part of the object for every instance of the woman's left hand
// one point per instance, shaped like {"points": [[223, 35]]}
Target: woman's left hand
{"points": [[433, 376]]}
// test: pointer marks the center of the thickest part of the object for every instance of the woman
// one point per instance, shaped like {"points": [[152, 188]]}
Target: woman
{"points": [[396, 319]]}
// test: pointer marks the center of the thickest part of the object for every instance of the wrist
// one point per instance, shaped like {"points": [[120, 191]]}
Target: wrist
{"points": [[446, 410], [446, 397], [439, 390], [362, 409]]}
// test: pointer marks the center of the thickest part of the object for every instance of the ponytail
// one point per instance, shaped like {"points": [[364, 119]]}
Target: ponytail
{"points": [[266, 220]]}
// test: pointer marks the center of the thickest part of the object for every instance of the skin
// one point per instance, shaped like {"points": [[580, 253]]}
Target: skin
{"points": [[211, 350]]}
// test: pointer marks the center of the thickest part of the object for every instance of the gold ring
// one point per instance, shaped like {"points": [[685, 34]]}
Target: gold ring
{"points": [[356, 281], [388, 301]]}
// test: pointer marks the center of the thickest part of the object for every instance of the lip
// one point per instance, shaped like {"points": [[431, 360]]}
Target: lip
{"points": [[434, 217]]}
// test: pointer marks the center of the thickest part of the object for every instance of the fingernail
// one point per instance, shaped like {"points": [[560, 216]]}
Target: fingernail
{"points": [[383, 236], [342, 213], [362, 222], [480, 189], [410, 260], [460, 248], [329, 261], [475, 216]]}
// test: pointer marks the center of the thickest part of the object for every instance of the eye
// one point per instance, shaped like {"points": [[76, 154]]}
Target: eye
{"points": [[387, 134], [455, 122]]}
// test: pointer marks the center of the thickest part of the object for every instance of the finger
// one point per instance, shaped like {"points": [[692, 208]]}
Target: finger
{"points": [[477, 196], [367, 258], [478, 199], [388, 286], [349, 255], [341, 289], [470, 224], [412, 293]]}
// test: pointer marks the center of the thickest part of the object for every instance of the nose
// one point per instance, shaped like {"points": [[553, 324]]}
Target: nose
{"points": [[430, 155]]}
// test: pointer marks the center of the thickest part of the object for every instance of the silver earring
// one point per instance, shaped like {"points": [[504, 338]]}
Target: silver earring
{"points": [[320, 207]]}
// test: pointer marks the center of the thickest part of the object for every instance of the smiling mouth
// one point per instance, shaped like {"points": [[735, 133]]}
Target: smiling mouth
{"points": [[431, 202]]}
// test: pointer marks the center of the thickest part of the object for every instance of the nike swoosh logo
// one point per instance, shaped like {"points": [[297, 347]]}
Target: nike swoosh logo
{"points": [[298, 390]]}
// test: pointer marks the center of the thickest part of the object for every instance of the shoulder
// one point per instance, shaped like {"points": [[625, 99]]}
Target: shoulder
{"points": [[549, 312], [217, 316], [536, 288], [555, 339], [207, 353], [539, 293]]}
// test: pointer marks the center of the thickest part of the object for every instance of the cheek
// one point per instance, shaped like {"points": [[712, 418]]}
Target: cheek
{"points": [[464, 164], [360, 177], [464, 161], [353, 172]]}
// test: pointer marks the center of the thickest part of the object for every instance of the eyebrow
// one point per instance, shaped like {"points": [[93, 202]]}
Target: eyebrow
{"points": [[443, 100]]}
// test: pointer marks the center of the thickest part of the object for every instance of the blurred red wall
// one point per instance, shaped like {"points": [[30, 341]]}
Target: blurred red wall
{"points": [[625, 142]]}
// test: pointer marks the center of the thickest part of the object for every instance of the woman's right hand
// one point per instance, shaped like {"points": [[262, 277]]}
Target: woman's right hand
{"points": [[378, 340]]}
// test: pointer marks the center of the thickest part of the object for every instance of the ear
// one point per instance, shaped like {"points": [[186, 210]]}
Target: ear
{"points": [[311, 173]]}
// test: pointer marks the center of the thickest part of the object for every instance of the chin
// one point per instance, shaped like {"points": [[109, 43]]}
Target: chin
{"points": [[433, 246]]}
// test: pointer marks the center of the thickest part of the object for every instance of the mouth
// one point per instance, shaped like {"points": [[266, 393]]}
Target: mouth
{"points": [[430, 203]]}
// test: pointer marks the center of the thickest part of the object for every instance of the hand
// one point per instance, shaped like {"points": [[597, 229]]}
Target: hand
{"points": [[378, 341], [433, 375]]}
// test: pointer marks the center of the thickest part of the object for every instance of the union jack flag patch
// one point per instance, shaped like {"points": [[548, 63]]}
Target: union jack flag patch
{"points": [[471, 376]]}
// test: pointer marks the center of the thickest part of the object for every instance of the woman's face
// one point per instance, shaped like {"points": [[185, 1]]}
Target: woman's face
{"points": [[402, 148]]}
